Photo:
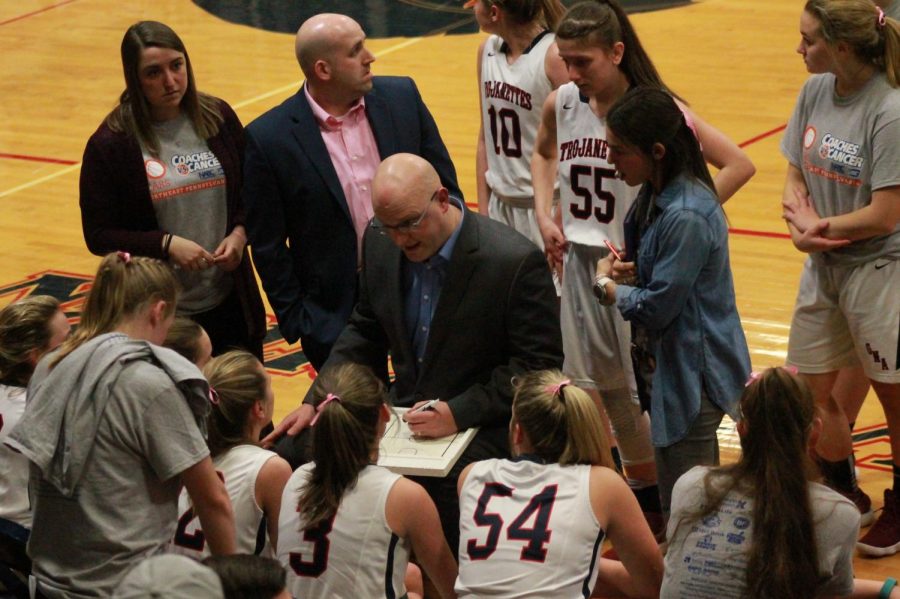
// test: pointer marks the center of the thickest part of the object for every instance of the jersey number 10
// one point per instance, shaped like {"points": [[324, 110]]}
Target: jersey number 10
{"points": [[509, 142]]}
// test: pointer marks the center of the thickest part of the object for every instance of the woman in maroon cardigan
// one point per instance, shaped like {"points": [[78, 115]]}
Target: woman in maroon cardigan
{"points": [[161, 177]]}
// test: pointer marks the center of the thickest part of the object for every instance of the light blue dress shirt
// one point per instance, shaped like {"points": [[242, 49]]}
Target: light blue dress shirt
{"points": [[422, 282]]}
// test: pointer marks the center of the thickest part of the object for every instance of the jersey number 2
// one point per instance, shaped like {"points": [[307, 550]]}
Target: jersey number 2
{"points": [[510, 140], [536, 537], [189, 521], [606, 205]]}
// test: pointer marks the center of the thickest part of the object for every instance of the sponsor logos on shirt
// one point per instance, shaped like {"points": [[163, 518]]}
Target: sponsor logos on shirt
{"points": [[844, 157]]}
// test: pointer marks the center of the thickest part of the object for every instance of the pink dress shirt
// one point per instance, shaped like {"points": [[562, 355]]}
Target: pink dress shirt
{"points": [[354, 154]]}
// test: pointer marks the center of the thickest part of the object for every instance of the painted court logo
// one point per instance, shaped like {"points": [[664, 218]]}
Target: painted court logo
{"points": [[282, 358]]}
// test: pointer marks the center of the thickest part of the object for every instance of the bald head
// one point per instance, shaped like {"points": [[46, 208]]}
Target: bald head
{"points": [[406, 189], [402, 178], [320, 36]]}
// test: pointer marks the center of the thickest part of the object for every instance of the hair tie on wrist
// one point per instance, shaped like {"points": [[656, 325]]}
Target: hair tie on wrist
{"points": [[328, 399], [124, 257], [213, 396], [889, 583], [558, 387], [880, 21]]}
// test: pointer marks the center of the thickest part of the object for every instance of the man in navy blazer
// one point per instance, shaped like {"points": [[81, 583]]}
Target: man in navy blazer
{"points": [[308, 168], [461, 302]]}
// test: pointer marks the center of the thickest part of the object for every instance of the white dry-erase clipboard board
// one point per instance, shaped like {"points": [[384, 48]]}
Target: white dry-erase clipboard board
{"points": [[400, 452]]}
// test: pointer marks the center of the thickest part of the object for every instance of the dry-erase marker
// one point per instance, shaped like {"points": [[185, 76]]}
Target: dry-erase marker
{"points": [[614, 251], [428, 405]]}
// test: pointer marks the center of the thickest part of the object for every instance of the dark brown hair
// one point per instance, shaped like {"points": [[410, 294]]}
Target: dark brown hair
{"points": [[24, 329]]}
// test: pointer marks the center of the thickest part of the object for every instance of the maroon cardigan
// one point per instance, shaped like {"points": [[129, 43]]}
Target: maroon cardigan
{"points": [[117, 212]]}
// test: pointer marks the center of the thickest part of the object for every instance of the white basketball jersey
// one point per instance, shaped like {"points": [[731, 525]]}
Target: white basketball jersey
{"points": [[512, 96], [354, 555], [238, 468], [527, 530], [593, 201], [14, 503]]}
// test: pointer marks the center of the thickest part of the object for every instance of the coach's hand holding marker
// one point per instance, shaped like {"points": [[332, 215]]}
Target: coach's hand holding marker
{"points": [[431, 419]]}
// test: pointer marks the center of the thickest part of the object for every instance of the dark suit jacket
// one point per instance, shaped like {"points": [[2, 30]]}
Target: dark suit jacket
{"points": [[496, 317], [299, 225]]}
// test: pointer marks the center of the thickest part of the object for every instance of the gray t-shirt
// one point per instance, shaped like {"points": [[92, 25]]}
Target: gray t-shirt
{"points": [[187, 186], [125, 506], [847, 147], [707, 559]]}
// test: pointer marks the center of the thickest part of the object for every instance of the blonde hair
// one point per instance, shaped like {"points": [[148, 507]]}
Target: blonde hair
{"points": [[238, 382], [24, 328], [560, 420], [342, 438], [523, 12], [123, 286], [858, 23], [184, 337]]}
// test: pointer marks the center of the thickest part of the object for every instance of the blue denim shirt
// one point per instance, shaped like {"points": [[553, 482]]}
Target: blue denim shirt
{"points": [[686, 302]]}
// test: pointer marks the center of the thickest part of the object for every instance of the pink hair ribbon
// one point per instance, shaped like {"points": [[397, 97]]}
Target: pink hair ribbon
{"points": [[558, 387], [124, 257], [328, 399], [880, 17]]}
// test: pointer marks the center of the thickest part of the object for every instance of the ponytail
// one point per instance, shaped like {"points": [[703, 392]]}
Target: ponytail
{"points": [[345, 432], [862, 25], [560, 420], [237, 381], [123, 286], [604, 23], [777, 412]]}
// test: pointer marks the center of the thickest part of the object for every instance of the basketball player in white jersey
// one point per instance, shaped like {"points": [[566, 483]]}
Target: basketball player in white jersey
{"points": [[29, 328], [347, 525], [242, 402], [604, 58], [518, 66], [532, 526]]}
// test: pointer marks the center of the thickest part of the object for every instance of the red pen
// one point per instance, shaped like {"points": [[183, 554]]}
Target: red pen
{"points": [[612, 249]]}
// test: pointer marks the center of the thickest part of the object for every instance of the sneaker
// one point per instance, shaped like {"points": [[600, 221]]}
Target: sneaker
{"points": [[884, 537], [863, 503]]}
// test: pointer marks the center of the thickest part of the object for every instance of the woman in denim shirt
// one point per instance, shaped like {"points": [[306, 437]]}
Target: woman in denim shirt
{"points": [[684, 295]]}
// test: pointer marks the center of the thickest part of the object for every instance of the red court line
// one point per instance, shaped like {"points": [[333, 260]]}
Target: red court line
{"points": [[37, 158], [759, 233], [34, 12], [753, 140]]}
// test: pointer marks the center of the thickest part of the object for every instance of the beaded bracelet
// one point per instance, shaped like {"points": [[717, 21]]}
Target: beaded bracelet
{"points": [[886, 589]]}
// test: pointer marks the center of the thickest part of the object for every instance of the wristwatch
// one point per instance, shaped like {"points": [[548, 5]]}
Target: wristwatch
{"points": [[599, 289]]}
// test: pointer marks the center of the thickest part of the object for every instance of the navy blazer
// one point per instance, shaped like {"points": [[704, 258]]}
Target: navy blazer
{"points": [[497, 316], [298, 222]]}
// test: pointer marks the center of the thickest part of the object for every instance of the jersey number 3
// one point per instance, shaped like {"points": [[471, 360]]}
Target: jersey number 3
{"points": [[606, 202], [318, 536], [536, 537]]}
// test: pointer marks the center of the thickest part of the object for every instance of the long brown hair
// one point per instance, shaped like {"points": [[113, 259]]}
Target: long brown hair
{"points": [[645, 116], [777, 410], [132, 116], [603, 23], [237, 382], [24, 329], [523, 12], [122, 287], [875, 39], [560, 420], [343, 437]]}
